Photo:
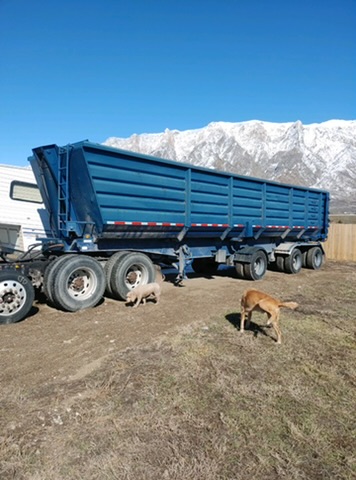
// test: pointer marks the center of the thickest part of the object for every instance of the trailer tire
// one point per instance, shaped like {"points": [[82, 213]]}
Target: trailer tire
{"points": [[49, 275], [108, 270], [130, 271], [256, 269], [16, 296], [205, 266], [239, 267], [280, 263], [293, 262], [78, 282], [314, 258]]}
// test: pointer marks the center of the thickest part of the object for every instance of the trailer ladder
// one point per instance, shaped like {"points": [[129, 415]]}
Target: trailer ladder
{"points": [[63, 190]]}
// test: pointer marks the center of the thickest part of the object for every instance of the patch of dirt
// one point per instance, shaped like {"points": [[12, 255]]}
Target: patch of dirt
{"points": [[52, 346], [175, 391]]}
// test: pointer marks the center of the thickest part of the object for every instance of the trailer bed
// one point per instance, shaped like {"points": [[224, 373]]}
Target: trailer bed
{"points": [[129, 195]]}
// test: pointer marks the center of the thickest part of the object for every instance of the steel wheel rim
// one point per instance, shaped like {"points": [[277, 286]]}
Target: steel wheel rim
{"points": [[297, 262], [318, 259], [136, 275], [12, 297], [82, 283], [259, 266]]}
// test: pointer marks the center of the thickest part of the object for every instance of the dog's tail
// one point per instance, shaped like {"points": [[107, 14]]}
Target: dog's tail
{"points": [[291, 305]]}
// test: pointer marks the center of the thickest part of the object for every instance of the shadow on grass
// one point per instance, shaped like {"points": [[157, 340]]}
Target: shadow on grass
{"points": [[235, 320]]}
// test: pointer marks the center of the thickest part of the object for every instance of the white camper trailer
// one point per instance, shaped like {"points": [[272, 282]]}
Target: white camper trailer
{"points": [[21, 221]]}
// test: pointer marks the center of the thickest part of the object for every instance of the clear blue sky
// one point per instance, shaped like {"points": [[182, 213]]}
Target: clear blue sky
{"points": [[90, 69]]}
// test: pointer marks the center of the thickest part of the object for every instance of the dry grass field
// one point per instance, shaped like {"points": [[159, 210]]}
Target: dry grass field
{"points": [[175, 392]]}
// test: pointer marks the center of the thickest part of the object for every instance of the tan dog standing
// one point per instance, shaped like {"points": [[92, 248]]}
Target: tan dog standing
{"points": [[254, 300], [142, 292]]}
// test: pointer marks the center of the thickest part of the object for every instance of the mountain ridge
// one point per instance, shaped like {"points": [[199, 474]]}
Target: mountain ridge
{"points": [[319, 155]]}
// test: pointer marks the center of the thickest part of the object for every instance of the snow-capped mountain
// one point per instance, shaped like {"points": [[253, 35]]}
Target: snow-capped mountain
{"points": [[317, 155]]}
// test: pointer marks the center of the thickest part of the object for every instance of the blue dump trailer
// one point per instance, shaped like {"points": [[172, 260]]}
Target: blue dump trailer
{"points": [[117, 215]]}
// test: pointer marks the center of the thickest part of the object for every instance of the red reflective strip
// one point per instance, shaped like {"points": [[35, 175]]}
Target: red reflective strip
{"points": [[169, 224], [276, 227], [214, 225]]}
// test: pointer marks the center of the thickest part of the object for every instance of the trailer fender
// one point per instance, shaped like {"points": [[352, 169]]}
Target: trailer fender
{"points": [[244, 255], [285, 248]]}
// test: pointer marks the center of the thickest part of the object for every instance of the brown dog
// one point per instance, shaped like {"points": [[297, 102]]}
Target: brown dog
{"points": [[254, 300], [142, 292]]}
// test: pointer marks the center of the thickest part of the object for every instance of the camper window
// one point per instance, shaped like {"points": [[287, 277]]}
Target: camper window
{"points": [[26, 192]]}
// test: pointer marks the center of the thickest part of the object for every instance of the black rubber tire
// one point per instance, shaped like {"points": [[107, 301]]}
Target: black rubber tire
{"points": [[293, 263], [130, 271], [239, 267], [48, 276], [280, 263], [90, 278], [256, 269], [205, 266], [314, 258], [108, 270], [16, 296]]}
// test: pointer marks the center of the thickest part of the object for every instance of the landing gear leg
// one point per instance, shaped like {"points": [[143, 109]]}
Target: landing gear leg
{"points": [[185, 259]]}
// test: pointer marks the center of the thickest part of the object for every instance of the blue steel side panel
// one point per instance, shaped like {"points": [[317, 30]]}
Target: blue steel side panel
{"points": [[277, 205], [111, 188], [209, 198], [129, 189], [248, 201], [269, 204], [298, 209], [134, 188]]}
